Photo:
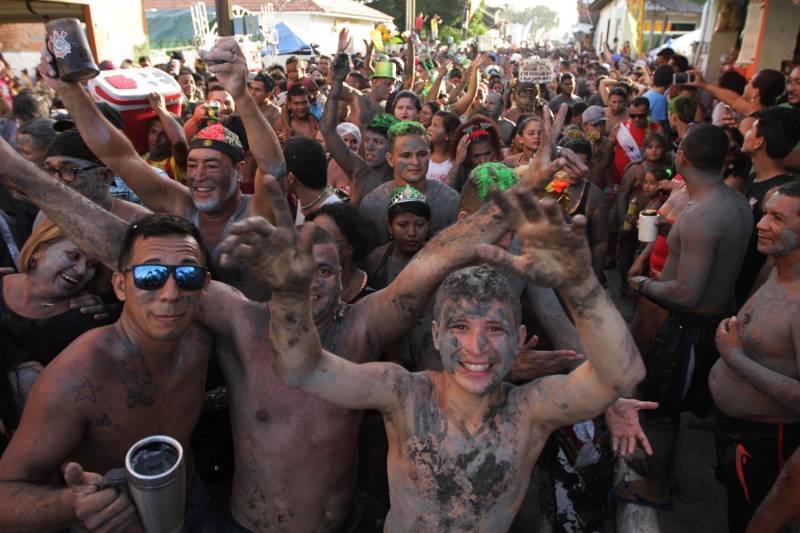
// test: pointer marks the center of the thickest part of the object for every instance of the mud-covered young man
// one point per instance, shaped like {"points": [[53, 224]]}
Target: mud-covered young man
{"points": [[462, 442]]}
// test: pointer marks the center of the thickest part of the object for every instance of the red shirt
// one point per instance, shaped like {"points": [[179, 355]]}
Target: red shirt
{"points": [[621, 159]]}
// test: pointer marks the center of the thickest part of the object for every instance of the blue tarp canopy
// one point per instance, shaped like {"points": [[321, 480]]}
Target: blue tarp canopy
{"points": [[172, 28], [288, 41]]}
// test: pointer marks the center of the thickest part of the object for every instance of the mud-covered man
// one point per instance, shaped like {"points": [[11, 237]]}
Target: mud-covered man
{"points": [[143, 375], [756, 381], [462, 442]]}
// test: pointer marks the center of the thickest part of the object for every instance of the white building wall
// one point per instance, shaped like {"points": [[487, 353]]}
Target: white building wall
{"points": [[323, 30]]}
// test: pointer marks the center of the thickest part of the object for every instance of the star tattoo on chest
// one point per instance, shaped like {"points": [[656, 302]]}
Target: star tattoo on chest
{"points": [[86, 391]]}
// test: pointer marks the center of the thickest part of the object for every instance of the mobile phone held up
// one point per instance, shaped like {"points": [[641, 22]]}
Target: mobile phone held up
{"points": [[679, 78]]}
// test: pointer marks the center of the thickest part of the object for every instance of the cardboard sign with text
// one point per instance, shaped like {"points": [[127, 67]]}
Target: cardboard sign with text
{"points": [[536, 70]]}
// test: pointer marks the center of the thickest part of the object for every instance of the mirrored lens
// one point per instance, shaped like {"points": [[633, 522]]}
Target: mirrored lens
{"points": [[150, 277], [190, 278]]}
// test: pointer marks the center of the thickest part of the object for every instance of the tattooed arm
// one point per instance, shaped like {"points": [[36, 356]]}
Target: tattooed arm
{"points": [[160, 194], [52, 429], [92, 228], [557, 255]]}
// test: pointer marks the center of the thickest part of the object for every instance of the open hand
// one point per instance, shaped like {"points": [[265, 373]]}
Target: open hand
{"points": [[226, 61], [531, 364], [98, 510], [554, 253], [626, 431], [344, 41], [275, 255]]}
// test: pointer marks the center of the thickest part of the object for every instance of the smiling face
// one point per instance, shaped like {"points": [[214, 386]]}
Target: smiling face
{"points": [[375, 149], [299, 106], [63, 267], [409, 158], [477, 341], [426, 116], [214, 179], [779, 228], [162, 314]]}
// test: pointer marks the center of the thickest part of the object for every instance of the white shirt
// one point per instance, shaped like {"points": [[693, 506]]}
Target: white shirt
{"points": [[439, 171]]}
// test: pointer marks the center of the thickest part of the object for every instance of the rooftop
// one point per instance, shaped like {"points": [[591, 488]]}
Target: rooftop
{"points": [[343, 8]]}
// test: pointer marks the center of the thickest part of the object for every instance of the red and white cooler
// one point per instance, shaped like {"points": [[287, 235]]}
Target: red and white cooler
{"points": [[126, 91]]}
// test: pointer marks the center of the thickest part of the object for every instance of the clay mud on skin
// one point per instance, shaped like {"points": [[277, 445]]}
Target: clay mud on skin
{"points": [[154, 459]]}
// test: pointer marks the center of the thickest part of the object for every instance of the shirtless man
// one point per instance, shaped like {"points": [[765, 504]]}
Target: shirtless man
{"points": [[462, 443], [306, 482], [707, 245], [143, 375], [373, 170], [262, 86], [756, 382], [213, 200]]}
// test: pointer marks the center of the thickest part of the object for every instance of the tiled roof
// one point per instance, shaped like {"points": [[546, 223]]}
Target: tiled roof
{"points": [[332, 7]]}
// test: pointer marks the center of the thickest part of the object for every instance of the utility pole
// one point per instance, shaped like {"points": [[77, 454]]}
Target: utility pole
{"points": [[224, 18]]}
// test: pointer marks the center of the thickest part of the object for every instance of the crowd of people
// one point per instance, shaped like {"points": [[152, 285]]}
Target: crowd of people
{"points": [[373, 292]]}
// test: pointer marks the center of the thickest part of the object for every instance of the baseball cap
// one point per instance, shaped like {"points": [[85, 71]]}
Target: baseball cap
{"points": [[594, 114]]}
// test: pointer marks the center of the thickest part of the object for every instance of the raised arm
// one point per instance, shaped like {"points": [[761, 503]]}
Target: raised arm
{"points": [[557, 255], [732, 98], [160, 194], [442, 71], [349, 161], [410, 66], [172, 129], [537, 175], [463, 103], [278, 257], [227, 62]]}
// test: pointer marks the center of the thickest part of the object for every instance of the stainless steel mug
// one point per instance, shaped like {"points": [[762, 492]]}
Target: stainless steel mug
{"points": [[73, 57], [156, 474]]}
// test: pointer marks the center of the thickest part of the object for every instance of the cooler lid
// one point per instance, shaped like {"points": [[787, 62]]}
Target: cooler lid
{"points": [[134, 84]]}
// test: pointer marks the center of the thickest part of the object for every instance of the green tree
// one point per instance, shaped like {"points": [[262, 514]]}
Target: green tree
{"points": [[542, 16], [451, 11]]}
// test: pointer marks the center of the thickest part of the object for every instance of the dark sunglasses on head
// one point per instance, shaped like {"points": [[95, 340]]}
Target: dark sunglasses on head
{"points": [[637, 115], [152, 277]]}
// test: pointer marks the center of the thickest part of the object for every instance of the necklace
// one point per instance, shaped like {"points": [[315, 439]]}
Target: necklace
{"points": [[306, 206]]}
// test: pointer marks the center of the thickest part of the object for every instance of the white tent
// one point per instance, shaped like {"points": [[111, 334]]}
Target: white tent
{"points": [[684, 45]]}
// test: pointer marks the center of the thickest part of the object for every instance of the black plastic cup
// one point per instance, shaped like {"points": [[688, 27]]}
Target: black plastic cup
{"points": [[73, 57]]}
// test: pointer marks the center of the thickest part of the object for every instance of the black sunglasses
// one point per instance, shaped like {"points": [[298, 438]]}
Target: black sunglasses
{"points": [[637, 115], [151, 277]]}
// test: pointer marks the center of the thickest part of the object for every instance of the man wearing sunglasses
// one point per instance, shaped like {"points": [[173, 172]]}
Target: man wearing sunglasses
{"points": [[213, 199], [143, 375], [296, 455], [629, 136]]}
